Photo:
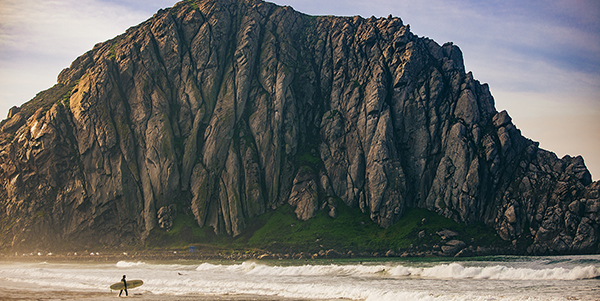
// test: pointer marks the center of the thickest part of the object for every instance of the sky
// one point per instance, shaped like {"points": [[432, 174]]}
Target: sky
{"points": [[541, 59]]}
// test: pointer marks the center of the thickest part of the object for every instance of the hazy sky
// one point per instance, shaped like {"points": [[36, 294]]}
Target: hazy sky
{"points": [[540, 58]]}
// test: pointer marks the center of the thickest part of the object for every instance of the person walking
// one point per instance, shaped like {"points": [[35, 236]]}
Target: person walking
{"points": [[124, 287]]}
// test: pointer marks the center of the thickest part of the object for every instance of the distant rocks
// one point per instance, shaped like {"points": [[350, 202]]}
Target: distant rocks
{"points": [[452, 247], [446, 234]]}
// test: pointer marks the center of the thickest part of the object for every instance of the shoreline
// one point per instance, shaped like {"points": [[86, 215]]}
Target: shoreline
{"points": [[24, 291], [28, 294], [79, 280], [169, 256], [184, 254], [73, 296]]}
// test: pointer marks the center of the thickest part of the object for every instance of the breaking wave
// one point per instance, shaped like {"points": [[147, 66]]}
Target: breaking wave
{"points": [[510, 279], [498, 272], [127, 264], [442, 271]]}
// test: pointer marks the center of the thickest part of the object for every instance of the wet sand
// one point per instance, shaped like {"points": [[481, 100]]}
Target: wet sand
{"points": [[14, 294], [23, 291]]}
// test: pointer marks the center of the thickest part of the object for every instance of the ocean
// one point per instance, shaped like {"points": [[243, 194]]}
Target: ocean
{"points": [[489, 278]]}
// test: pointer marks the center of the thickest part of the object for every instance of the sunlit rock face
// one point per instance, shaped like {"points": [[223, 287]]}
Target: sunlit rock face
{"points": [[227, 109]]}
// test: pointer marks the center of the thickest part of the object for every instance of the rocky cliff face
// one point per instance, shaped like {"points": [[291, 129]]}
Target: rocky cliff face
{"points": [[227, 109]]}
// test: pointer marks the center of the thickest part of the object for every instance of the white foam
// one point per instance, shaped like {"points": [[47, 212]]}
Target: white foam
{"points": [[253, 268], [208, 266], [442, 271], [127, 264], [397, 281], [457, 271]]}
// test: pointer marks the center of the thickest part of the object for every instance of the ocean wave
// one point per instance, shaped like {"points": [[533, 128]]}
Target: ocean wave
{"points": [[128, 264], [316, 270], [254, 268], [209, 267], [457, 271], [380, 281], [442, 271]]}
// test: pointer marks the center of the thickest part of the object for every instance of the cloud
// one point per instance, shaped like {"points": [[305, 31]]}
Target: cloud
{"points": [[40, 38], [61, 24]]}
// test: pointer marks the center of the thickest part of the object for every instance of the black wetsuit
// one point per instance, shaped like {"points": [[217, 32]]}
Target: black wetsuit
{"points": [[124, 289]]}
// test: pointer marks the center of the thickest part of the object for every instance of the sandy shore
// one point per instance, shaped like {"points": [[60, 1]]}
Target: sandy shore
{"points": [[22, 291], [14, 294]]}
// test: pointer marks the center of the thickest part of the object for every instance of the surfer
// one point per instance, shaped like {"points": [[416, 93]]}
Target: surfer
{"points": [[124, 287]]}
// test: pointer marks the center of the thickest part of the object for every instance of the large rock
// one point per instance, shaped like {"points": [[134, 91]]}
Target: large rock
{"points": [[166, 216], [304, 196], [227, 109]]}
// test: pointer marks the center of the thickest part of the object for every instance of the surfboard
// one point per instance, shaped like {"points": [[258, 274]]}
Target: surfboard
{"points": [[130, 284]]}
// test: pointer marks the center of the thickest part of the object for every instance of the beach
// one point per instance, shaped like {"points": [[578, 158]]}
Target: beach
{"points": [[25, 291], [27, 294], [505, 278], [9, 294]]}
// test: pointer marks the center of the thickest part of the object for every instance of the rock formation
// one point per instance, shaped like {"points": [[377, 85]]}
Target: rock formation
{"points": [[227, 109]]}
